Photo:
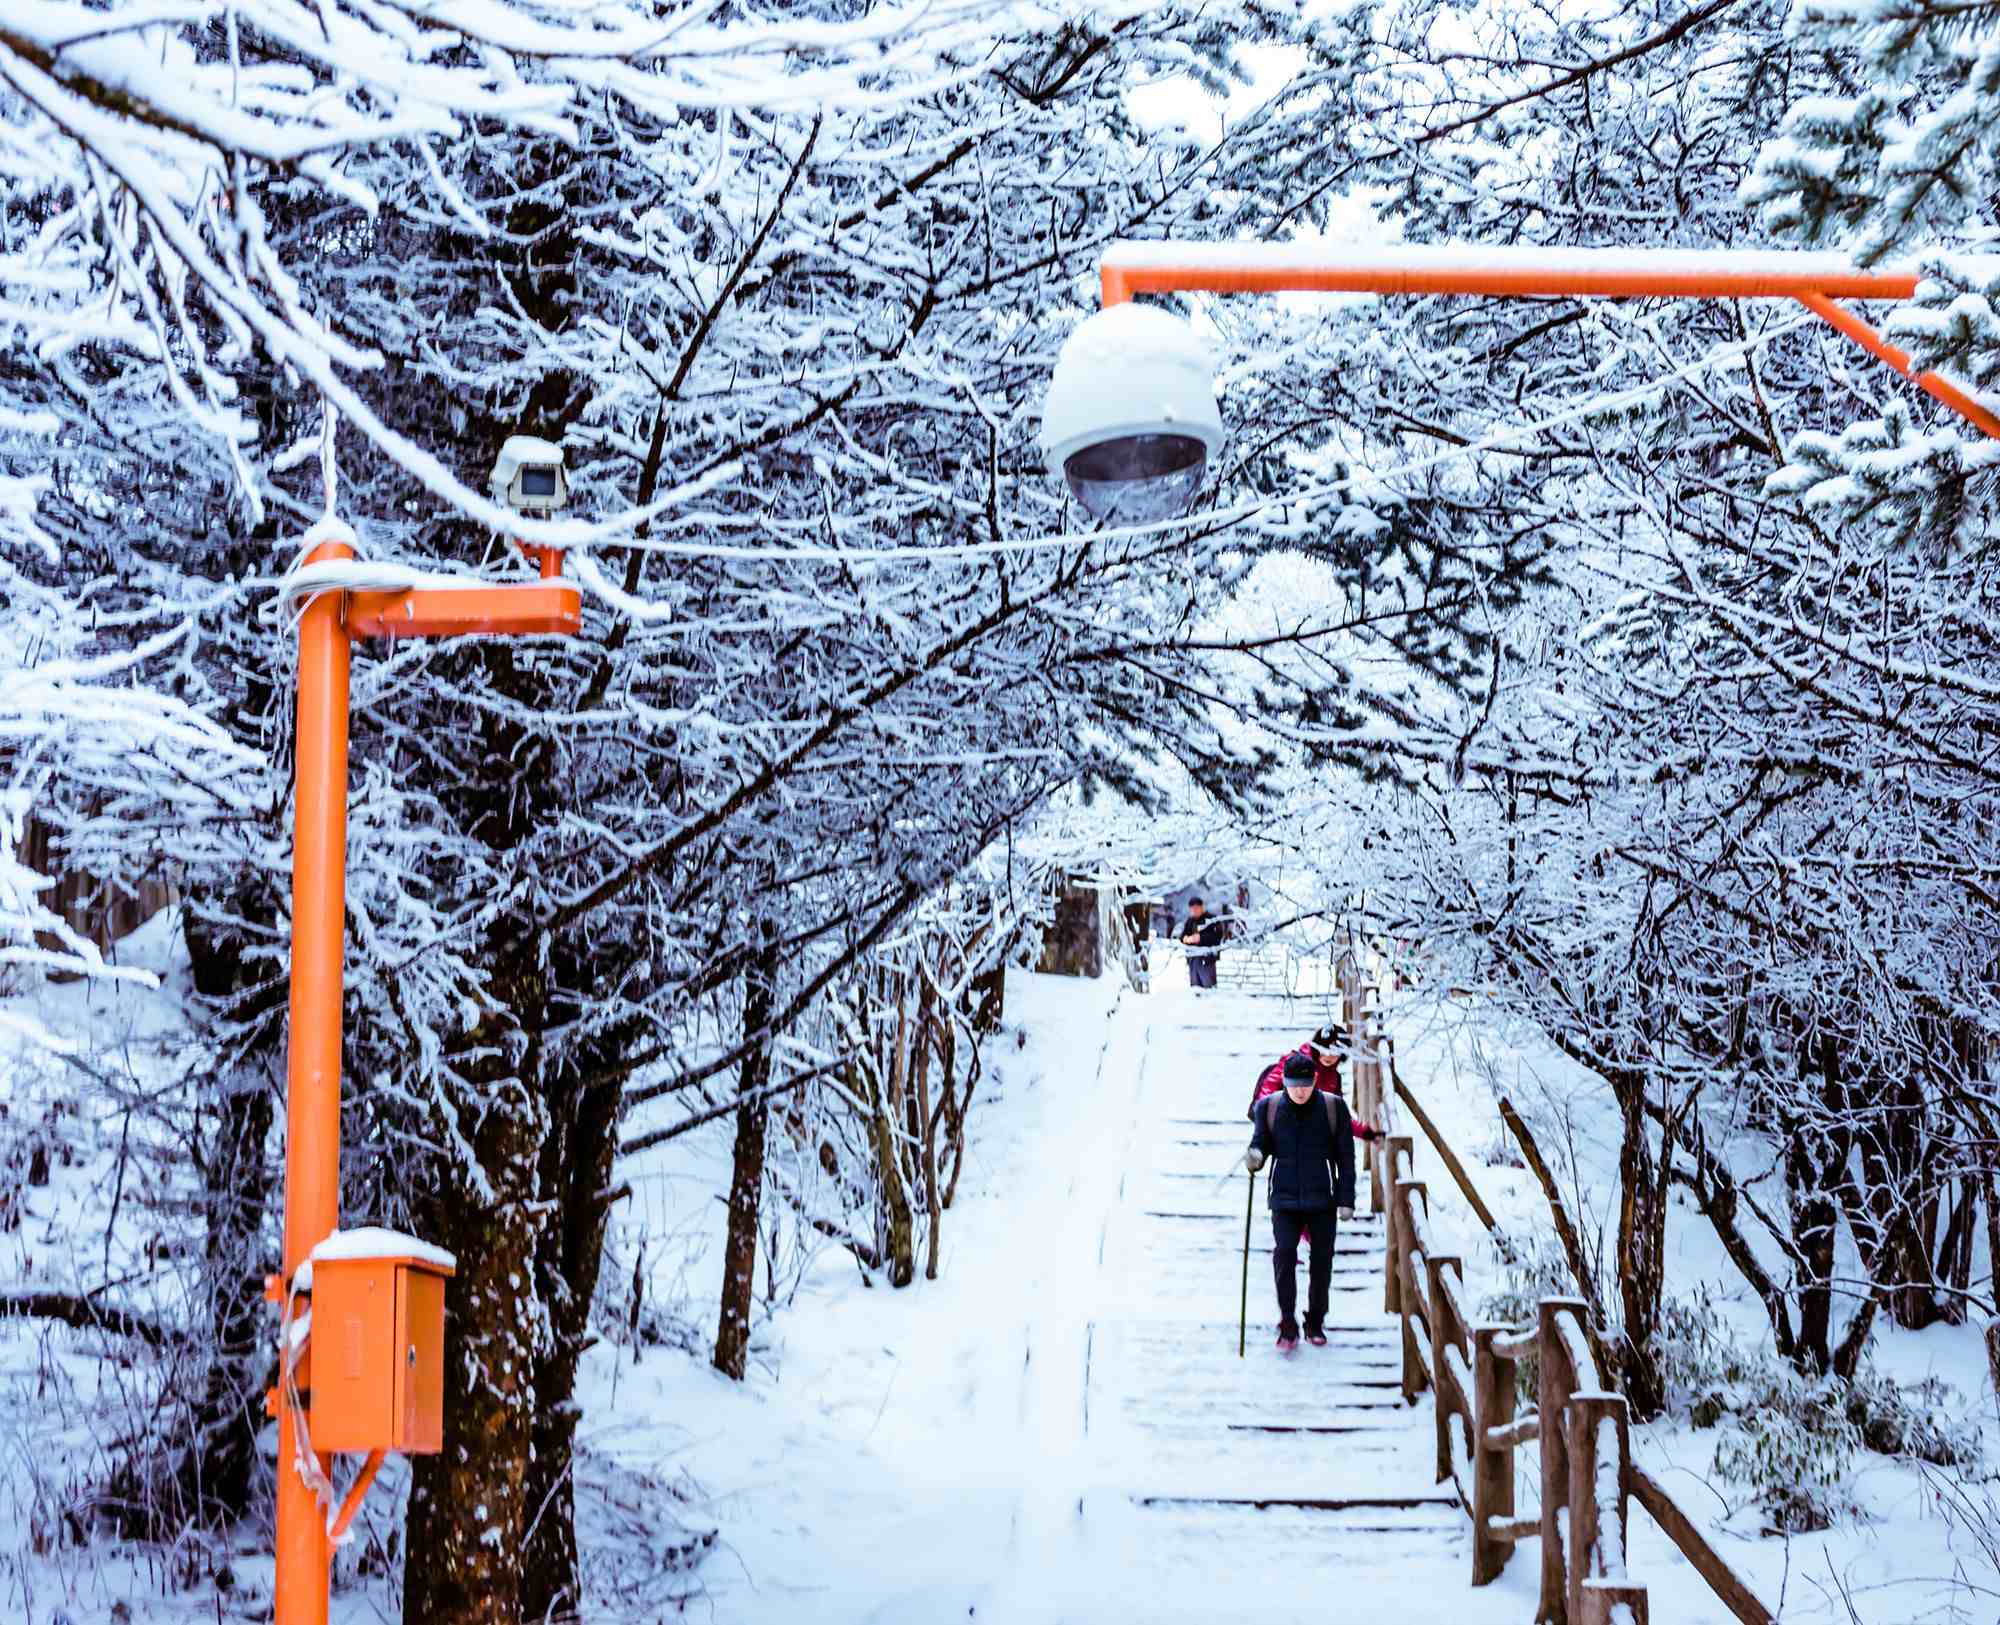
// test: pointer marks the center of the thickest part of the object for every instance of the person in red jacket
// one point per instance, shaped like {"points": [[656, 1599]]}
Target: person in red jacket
{"points": [[1326, 1049]]}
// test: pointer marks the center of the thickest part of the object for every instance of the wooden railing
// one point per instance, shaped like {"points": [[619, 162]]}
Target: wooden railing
{"points": [[1580, 1427]]}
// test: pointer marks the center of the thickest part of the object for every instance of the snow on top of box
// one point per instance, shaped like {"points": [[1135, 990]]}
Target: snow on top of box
{"points": [[372, 1241]]}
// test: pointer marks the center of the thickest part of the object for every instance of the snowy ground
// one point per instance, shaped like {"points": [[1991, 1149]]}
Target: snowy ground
{"points": [[978, 1447], [972, 1448], [1902, 1559]]}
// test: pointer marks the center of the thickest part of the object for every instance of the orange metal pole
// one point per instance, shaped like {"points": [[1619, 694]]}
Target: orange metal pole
{"points": [[548, 605], [1128, 269], [1938, 388], [1815, 280], [312, 1102]]}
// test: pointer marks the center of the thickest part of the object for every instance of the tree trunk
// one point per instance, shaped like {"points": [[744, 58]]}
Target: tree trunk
{"points": [[955, 1103], [576, 1168], [988, 993], [468, 1504], [933, 1197], [897, 1246], [1813, 1161], [1954, 1261], [1642, 1239], [1895, 1239], [890, 1140], [230, 1417], [1715, 1192], [746, 1184], [211, 1470]]}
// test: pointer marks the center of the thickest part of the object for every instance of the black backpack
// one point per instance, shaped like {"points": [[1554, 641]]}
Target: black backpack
{"points": [[1326, 1095]]}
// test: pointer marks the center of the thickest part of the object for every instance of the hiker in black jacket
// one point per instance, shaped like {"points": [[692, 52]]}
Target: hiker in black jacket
{"points": [[1203, 936], [1308, 1138]]}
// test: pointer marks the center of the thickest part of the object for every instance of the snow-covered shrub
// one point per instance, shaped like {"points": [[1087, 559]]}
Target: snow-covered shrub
{"points": [[1793, 1453], [1786, 1439], [1927, 1420], [1791, 1439], [1702, 1364]]}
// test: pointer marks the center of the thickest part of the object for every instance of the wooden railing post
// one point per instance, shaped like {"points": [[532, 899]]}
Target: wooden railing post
{"points": [[1371, 1078], [1398, 1160], [1596, 1472], [1602, 1597], [1385, 1084], [1446, 1332], [1587, 1474], [1411, 1290], [1493, 1386], [1554, 1384]]}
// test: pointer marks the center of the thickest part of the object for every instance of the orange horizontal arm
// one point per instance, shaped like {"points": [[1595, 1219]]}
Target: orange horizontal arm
{"points": [[1128, 269], [1815, 280], [482, 609]]}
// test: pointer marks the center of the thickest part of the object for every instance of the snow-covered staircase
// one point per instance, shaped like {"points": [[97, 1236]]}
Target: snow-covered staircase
{"points": [[1296, 1476]]}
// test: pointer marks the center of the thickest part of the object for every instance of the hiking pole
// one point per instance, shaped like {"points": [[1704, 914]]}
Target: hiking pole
{"points": [[1243, 1309]]}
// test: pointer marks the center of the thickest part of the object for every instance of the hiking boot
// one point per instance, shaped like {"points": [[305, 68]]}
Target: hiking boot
{"points": [[1316, 1337], [1288, 1339]]}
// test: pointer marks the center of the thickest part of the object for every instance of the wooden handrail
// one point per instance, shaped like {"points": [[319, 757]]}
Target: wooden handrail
{"points": [[1446, 1155], [1737, 1597], [1580, 1431]]}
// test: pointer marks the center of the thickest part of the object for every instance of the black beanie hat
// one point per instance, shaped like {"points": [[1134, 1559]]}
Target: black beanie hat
{"points": [[1300, 1068]]}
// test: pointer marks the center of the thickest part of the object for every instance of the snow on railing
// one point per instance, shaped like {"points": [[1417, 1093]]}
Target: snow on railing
{"points": [[1610, 1492], [1580, 1430]]}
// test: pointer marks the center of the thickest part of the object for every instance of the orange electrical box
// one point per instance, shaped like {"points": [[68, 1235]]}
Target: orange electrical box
{"points": [[377, 1345]]}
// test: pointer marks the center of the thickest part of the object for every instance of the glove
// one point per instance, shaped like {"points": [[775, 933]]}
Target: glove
{"points": [[1253, 1159], [1347, 1213]]}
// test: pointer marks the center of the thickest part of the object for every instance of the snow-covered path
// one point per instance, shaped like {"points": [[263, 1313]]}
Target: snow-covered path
{"points": [[1173, 1480], [1058, 1431]]}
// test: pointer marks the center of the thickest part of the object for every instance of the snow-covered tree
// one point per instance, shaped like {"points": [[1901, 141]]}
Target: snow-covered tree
{"points": [[786, 289], [1708, 805]]}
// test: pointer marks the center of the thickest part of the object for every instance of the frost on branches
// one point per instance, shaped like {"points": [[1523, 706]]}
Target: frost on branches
{"points": [[1706, 801], [785, 288], [1898, 158]]}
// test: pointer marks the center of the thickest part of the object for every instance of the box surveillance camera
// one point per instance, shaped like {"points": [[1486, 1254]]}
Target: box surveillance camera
{"points": [[528, 475]]}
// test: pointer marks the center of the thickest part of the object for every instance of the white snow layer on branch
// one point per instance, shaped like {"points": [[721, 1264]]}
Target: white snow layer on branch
{"points": [[145, 141]]}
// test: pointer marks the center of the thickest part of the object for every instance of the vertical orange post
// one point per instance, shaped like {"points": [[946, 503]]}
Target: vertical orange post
{"points": [[312, 1102]]}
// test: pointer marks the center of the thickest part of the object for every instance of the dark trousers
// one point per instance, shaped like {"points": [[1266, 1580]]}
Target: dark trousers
{"points": [[1286, 1229], [1201, 969]]}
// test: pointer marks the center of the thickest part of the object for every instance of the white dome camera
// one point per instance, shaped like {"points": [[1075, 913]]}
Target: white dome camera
{"points": [[528, 475], [1131, 420]]}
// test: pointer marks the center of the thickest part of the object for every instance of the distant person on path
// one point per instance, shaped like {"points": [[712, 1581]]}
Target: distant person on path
{"points": [[1326, 1050], [1308, 1139], [1202, 936]]}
